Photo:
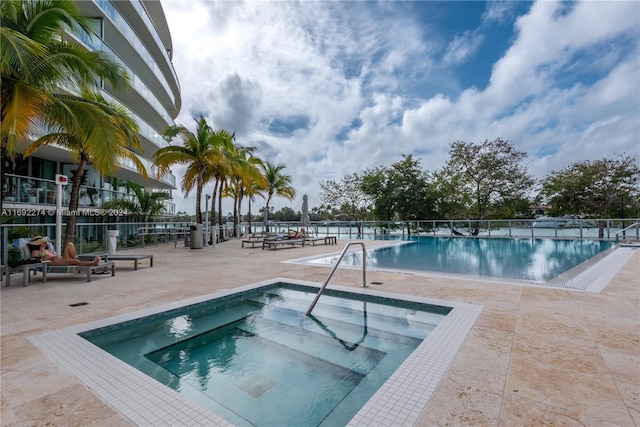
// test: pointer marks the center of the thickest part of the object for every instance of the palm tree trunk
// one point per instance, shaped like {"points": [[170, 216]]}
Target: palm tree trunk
{"points": [[249, 216], [3, 156], [236, 200], [211, 219], [198, 196], [70, 231], [214, 197], [220, 209], [266, 214]]}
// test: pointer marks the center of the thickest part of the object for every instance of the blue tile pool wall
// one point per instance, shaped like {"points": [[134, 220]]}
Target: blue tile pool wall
{"points": [[591, 275], [144, 401], [194, 349], [92, 334], [538, 260]]}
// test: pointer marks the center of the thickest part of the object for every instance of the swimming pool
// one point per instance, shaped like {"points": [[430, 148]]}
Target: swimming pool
{"points": [[538, 260], [255, 340], [259, 360]]}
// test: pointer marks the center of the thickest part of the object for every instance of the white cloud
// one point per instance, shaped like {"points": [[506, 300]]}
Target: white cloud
{"points": [[462, 47], [498, 11], [568, 80]]}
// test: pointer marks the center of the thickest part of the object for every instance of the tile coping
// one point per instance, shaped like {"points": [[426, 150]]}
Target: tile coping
{"points": [[145, 401], [590, 276]]}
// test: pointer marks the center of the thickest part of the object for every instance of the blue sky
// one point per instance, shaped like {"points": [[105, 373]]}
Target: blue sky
{"points": [[330, 88]]}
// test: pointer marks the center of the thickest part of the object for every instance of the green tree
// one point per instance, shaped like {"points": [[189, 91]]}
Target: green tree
{"points": [[245, 177], [182, 216], [198, 153], [479, 179], [376, 184], [347, 197], [40, 73], [412, 192], [402, 191], [253, 189], [145, 205], [593, 188], [276, 184], [94, 131], [219, 171], [320, 213], [38, 65], [287, 214]]}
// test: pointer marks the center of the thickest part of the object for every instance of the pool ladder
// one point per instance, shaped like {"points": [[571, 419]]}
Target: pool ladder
{"points": [[333, 270]]}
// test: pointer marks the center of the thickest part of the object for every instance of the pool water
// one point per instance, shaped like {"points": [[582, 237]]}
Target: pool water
{"points": [[538, 260], [257, 359]]}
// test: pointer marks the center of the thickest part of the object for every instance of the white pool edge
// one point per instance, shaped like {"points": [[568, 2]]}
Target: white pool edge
{"points": [[145, 402], [591, 276]]}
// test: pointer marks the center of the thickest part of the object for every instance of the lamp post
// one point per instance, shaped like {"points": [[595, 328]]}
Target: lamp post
{"points": [[206, 219]]}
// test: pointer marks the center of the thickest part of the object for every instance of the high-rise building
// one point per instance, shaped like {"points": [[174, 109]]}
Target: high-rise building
{"points": [[134, 33]]}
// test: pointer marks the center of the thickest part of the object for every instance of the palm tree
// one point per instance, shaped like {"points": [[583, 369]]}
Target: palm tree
{"points": [[37, 65], [39, 69], [219, 170], [251, 190], [93, 130], [146, 205], [277, 184], [198, 152], [245, 173]]}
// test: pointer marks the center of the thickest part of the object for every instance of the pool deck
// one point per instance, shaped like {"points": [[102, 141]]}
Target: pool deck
{"points": [[535, 356]]}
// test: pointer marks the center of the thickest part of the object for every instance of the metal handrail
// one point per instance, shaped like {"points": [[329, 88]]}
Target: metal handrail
{"points": [[347, 345], [335, 267], [624, 230]]}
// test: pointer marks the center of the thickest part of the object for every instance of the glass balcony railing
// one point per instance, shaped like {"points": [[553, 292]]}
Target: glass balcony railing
{"points": [[125, 29], [36, 191], [167, 178], [145, 17], [98, 44], [144, 128]]}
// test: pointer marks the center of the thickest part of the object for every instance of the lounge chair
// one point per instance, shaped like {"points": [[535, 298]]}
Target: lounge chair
{"points": [[26, 270], [131, 257], [274, 243], [254, 239], [45, 268], [327, 240]]}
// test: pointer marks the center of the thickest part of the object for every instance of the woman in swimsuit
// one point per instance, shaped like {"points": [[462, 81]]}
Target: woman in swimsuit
{"points": [[38, 249]]}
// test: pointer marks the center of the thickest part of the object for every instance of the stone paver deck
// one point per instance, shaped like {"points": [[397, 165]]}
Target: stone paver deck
{"points": [[535, 356]]}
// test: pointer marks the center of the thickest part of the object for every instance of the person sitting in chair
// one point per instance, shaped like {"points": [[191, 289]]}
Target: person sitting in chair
{"points": [[300, 234], [38, 249]]}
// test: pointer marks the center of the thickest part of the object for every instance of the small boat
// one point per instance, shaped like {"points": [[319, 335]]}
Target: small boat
{"points": [[549, 222]]}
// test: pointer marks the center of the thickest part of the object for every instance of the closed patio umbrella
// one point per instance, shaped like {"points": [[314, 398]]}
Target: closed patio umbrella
{"points": [[305, 212]]}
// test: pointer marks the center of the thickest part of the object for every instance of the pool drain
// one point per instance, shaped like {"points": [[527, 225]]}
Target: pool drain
{"points": [[257, 385]]}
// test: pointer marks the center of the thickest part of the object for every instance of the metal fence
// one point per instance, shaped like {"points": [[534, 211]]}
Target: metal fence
{"points": [[612, 229], [93, 237]]}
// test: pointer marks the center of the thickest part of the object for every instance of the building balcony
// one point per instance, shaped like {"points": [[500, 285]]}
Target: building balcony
{"points": [[19, 192]]}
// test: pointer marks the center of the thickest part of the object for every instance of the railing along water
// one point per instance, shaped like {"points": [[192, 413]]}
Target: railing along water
{"points": [[335, 267], [624, 231]]}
